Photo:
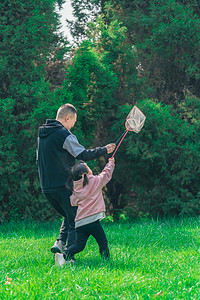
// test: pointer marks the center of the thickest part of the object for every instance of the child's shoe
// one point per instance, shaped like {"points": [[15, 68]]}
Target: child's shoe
{"points": [[59, 260]]}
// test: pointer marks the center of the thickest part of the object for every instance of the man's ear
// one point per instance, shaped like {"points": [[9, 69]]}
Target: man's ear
{"points": [[67, 118]]}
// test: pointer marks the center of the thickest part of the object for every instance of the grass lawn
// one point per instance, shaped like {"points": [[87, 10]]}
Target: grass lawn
{"points": [[149, 260]]}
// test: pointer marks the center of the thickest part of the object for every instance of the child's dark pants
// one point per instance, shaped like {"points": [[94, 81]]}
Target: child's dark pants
{"points": [[82, 234]]}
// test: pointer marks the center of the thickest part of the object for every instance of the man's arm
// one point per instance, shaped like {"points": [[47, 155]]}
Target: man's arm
{"points": [[91, 154], [72, 145]]}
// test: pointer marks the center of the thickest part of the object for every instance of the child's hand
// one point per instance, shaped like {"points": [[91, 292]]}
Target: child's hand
{"points": [[111, 159]]}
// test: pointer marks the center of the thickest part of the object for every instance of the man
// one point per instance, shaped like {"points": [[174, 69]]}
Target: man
{"points": [[57, 149]]}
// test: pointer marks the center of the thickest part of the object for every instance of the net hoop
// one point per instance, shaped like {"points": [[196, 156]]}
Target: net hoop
{"points": [[137, 118]]}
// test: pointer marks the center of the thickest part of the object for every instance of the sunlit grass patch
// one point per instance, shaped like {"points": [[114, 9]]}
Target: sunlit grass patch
{"points": [[149, 259]]}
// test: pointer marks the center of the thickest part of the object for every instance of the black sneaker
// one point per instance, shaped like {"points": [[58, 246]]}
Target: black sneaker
{"points": [[58, 247]]}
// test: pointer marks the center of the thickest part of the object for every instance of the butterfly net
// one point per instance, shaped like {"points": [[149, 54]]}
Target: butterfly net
{"points": [[135, 120]]}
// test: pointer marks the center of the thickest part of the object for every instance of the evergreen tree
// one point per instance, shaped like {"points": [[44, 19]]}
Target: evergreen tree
{"points": [[84, 12], [28, 36], [101, 77], [166, 35], [157, 46], [134, 52]]}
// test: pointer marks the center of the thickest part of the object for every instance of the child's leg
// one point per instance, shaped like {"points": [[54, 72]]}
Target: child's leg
{"points": [[81, 240], [98, 233]]}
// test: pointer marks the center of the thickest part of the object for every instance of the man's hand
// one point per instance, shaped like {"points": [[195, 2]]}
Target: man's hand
{"points": [[110, 148]]}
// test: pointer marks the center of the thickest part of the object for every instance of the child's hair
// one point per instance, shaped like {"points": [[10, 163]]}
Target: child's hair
{"points": [[77, 171]]}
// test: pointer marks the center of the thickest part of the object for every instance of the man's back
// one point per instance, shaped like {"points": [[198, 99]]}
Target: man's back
{"points": [[54, 162]]}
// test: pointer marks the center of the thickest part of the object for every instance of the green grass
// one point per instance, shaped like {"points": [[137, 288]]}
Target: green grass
{"points": [[149, 260]]}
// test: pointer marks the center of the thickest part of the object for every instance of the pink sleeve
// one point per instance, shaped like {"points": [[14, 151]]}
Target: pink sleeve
{"points": [[106, 175], [73, 200]]}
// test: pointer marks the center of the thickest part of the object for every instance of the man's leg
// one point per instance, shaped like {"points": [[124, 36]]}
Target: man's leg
{"points": [[64, 231], [70, 212], [60, 243], [60, 201], [61, 240], [53, 199]]}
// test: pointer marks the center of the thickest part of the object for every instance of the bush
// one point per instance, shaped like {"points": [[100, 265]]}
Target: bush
{"points": [[159, 167]]}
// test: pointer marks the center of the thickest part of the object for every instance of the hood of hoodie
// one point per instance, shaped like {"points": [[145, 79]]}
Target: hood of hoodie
{"points": [[49, 127], [80, 191]]}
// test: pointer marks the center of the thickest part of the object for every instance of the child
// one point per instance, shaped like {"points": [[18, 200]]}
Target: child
{"points": [[87, 195]]}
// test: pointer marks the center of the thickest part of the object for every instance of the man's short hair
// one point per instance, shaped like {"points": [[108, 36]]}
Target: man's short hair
{"points": [[65, 110]]}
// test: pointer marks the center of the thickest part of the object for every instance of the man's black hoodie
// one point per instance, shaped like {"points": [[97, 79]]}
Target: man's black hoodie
{"points": [[57, 149]]}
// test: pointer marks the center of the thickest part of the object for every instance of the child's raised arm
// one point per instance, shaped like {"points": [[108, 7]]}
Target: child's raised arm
{"points": [[106, 175]]}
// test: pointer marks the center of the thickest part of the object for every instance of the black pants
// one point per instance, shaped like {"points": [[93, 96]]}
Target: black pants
{"points": [[60, 200], [82, 234], [63, 234]]}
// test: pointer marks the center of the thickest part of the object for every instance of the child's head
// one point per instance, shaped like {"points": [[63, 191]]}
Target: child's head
{"points": [[79, 170]]}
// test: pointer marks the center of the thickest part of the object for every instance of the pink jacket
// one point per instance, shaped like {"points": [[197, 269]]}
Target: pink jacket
{"points": [[89, 198]]}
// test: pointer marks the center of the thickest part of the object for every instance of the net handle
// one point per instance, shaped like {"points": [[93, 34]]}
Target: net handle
{"points": [[119, 144], [120, 137]]}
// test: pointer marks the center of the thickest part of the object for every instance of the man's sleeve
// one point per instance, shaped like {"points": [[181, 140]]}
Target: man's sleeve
{"points": [[72, 145], [91, 154]]}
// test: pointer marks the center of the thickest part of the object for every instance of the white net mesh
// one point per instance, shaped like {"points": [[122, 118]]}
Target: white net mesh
{"points": [[135, 120]]}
